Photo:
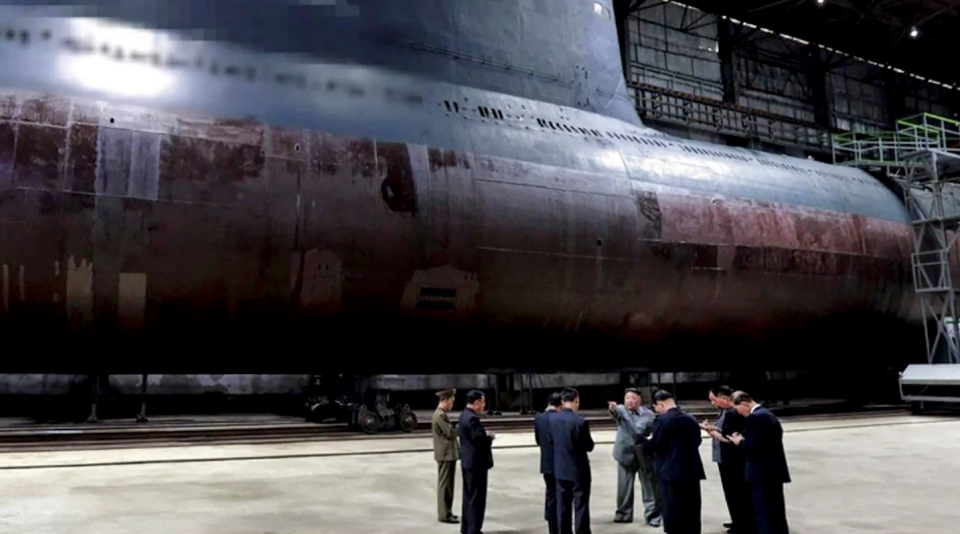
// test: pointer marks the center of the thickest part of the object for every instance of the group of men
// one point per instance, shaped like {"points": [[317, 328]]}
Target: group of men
{"points": [[661, 449], [564, 440], [748, 450]]}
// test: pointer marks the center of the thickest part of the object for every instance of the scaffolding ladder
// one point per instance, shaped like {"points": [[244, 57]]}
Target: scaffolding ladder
{"points": [[922, 155]]}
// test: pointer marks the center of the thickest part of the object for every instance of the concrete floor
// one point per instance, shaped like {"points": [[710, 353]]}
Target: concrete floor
{"points": [[888, 475]]}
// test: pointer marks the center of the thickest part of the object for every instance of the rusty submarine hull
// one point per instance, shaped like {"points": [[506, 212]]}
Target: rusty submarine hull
{"points": [[410, 202]]}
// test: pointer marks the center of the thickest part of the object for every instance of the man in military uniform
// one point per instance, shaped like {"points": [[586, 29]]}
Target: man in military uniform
{"points": [[446, 451]]}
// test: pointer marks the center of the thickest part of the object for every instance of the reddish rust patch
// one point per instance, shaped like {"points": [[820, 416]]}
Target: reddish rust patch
{"points": [[185, 159], [814, 233], [818, 263], [212, 165], [883, 238], [336, 153], [54, 111], [39, 156], [237, 163], [82, 164], [191, 159], [767, 226], [757, 224], [695, 219], [744, 224]]}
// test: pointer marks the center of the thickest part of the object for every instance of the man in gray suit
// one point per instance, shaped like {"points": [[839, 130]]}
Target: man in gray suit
{"points": [[634, 424]]}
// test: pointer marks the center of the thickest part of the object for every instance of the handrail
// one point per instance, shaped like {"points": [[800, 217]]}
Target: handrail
{"points": [[906, 120], [891, 148]]}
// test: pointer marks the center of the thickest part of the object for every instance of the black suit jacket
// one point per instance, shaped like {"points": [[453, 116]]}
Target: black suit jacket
{"points": [[675, 442], [733, 422], [541, 431], [475, 445], [763, 448], [571, 439]]}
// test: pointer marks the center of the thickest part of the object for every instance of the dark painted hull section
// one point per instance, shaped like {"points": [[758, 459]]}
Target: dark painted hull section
{"points": [[133, 241]]}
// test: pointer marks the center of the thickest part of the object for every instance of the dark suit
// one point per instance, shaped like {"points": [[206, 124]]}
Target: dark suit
{"points": [[766, 470], [675, 442], [731, 465], [571, 439], [541, 431], [476, 460]]}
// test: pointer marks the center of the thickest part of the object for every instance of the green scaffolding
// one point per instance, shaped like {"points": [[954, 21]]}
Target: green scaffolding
{"points": [[888, 149]]}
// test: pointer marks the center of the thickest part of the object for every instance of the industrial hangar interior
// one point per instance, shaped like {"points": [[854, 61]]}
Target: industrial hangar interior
{"points": [[289, 259]]}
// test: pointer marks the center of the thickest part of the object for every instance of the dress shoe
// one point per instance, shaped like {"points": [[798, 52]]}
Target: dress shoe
{"points": [[451, 519], [654, 524], [728, 525], [622, 520]]}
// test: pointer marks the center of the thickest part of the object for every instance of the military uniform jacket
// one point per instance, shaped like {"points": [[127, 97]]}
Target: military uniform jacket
{"points": [[445, 445]]}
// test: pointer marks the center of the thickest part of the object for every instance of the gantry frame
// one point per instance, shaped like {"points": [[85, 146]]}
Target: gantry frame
{"points": [[923, 156]]}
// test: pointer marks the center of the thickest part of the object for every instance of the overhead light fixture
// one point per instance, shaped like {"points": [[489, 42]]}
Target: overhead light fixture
{"points": [[820, 1], [914, 32]]}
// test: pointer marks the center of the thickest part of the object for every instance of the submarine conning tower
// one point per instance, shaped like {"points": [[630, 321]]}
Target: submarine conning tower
{"points": [[563, 52]]}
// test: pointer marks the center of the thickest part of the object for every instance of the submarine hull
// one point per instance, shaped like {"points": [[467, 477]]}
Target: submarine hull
{"points": [[138, 241]]}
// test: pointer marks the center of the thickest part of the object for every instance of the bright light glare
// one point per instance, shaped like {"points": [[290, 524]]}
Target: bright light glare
{"points": [[820, 1], [612, 159], [115, 77], [120, 77], [105, 32], [914, 32]]}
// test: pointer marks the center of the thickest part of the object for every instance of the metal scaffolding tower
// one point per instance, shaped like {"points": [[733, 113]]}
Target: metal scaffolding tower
{"points": [[934, 246], [923, 156]]}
